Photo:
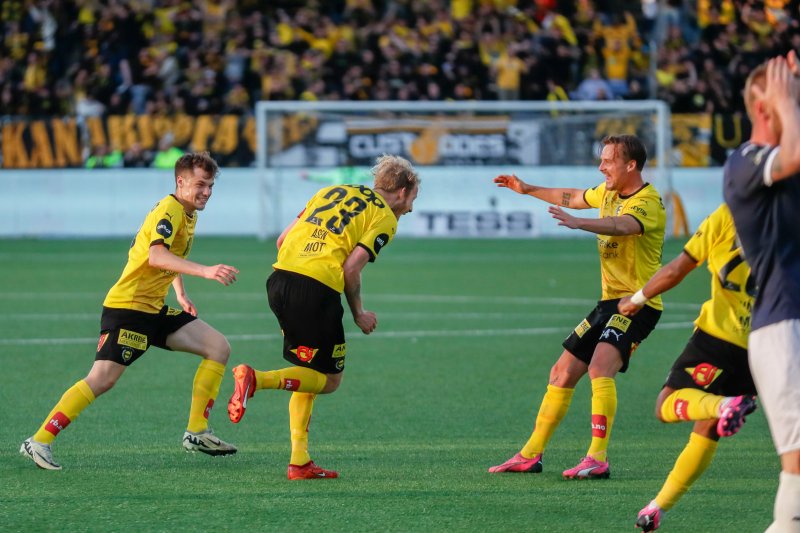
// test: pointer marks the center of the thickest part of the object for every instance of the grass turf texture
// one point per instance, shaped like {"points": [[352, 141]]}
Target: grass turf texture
{"points": [[446, 387]]}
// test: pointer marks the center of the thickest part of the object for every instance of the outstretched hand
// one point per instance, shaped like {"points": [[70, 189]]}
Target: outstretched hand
{"points": [[564, 218], [225, 274], [510, 181]]}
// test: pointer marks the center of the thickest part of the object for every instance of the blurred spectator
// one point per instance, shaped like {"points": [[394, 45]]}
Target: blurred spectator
{"points": [[593, 87], [167, 154], [103, 156], [137, 157]]}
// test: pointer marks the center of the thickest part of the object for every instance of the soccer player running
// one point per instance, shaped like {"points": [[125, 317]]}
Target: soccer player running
{"points": [[320, 255], [710, 382], [762, 187], [134, 316], [630, 235]]}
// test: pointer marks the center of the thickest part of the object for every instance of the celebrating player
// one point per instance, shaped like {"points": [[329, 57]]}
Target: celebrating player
{"points": [[630, 235], [762, 187], [710, 382], [320, 255], [134, 316]]}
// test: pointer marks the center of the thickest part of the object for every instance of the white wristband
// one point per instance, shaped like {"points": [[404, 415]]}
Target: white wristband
{"points": [[639, 298]]}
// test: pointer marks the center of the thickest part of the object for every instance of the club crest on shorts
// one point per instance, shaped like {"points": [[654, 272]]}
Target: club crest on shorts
{"points": [[304, 353], [704, 374]]}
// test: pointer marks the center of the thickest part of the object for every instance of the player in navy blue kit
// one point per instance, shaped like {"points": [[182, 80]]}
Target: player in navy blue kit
{"points": [[762, 189]]}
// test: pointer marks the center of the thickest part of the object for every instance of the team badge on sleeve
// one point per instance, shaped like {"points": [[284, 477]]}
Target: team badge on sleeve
{"points": [[380, 242], [164, 228]]}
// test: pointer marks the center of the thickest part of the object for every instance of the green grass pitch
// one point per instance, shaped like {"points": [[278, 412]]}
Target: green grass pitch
{"points": [[446, 387]]}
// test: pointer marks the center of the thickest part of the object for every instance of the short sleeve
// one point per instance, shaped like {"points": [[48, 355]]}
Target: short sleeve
{"points": [[594, 196], [166, 221], [378, 236], [699, 246]]}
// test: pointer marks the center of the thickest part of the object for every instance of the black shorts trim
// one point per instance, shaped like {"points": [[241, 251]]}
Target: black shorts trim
{"points": [[310, 315], [125, 334], [606, 324], [713, 365]]}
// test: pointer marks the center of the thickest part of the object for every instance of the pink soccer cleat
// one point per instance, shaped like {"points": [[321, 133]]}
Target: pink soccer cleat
{"points": [[650, 517], [588, 468], [518, 463], [732, 417]]}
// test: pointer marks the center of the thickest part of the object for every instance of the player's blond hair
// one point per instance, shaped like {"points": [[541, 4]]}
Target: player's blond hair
{"points": [[757, 78], [392, 173], [188, 162]]}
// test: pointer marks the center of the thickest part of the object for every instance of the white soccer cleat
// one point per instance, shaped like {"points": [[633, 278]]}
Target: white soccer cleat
{"points": [[207, 442], [39, 453]]}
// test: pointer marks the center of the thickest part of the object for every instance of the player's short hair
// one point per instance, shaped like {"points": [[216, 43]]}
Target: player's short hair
{"points": [[392, 173], [192, 160], [632, 148], [757, 78]]}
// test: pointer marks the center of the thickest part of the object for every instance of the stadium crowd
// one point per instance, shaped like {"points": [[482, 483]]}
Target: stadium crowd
{"points": [[92, 57]]}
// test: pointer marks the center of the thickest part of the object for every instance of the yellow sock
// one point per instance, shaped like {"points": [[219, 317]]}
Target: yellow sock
{"points": [[690, 404], [690, 465], [76, 399], [554, 406], [604, 407], [300, 405], [204, 392], [294, 378]]}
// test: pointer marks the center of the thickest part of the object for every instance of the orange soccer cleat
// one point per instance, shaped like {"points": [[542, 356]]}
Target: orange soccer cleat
{"points": [[244, 386], [310, 471]]}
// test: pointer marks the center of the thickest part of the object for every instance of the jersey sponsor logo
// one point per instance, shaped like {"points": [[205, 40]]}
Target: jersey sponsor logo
{"points": [[619, 322], [57, 423], [339, 350], [380, 242], [704, 374], [314, 246], [637, 209], [681, 408], [164, 228], [305, 354], [132, 339], [319, 234], [102, 341], [291, 384], [599, 426], [126, 354], [582, 328]]}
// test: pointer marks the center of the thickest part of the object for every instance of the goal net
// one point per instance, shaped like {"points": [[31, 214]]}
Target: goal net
{"points": [[457, 147]]}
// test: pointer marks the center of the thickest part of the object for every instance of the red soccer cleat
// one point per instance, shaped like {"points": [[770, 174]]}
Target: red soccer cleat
{"points": [[244, 378], [310, 471]]}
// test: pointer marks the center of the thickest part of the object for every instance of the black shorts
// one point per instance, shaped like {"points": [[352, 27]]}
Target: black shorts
{"points": [[126, 334], [310, 314], [712, 365], [605, 324]]}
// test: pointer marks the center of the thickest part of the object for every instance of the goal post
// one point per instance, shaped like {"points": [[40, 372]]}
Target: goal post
{"points": [[457, 148]]}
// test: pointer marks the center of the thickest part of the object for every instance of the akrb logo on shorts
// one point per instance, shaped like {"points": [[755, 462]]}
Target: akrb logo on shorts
{"points": [[599, 426], [305, 354], [291, 384], [704, 374]]}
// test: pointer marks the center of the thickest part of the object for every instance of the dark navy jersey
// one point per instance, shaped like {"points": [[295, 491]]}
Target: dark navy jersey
{"points": [[767, 219]]}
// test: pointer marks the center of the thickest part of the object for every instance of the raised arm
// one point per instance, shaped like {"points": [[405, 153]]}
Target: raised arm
{"points": [[161, 257], [620, 225], [572, 198], [666, 278], [353, 265], [782, 88]]}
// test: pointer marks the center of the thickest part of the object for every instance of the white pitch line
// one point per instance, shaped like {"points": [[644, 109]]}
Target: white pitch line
{"points": [[378, 334]]}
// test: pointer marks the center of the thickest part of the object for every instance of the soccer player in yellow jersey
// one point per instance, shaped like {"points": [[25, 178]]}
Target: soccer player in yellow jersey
{"points": [[134, 316], [710, 382], [630, 235], [320, 255]]}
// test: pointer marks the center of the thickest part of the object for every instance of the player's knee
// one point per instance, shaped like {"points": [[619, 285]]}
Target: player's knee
{"points": [[333, 382], [219, 349], [101, 384]]}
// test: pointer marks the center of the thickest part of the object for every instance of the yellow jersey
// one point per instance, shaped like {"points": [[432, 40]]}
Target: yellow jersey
{"points": [[142, 287], [333, 223], [727, 314], [627, 262]]}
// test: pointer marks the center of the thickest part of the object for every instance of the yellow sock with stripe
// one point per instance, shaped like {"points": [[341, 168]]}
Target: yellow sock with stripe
{"points": [[300, 406], [604, 408], [204, 391], [293, 378], [76, 399], [690, 465], [690, 404], [552, 410]]}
